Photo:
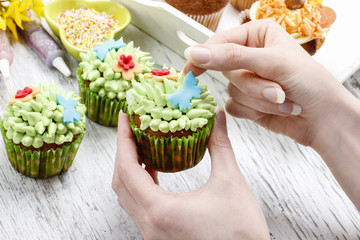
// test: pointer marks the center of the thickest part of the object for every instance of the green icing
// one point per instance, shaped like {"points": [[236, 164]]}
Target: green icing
{"points": [[104, 80], [39, 121], [147, 98]]}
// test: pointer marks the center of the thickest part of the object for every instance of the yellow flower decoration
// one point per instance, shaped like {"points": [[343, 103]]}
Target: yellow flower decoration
{"points": [[14, 12], [127, 64]]}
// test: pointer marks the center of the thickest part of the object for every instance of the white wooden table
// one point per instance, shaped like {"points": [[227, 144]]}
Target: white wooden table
{"points": [[299, 196]]}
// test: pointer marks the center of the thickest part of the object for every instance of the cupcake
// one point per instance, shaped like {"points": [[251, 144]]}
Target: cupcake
{"points": [[171, 118], [306, 20], [104, 75], [242, 4], [42, 128], [206, 12]]}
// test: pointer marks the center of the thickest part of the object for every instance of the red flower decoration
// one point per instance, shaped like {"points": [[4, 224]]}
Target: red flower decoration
{"points": [[162, 72], [23, 93], [126, 62]]}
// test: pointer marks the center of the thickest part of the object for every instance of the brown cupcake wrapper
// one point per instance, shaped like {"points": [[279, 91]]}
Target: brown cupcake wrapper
{"points": [[242, 4], [41, 163], [99, 109], [210, 21], [171, 154]]}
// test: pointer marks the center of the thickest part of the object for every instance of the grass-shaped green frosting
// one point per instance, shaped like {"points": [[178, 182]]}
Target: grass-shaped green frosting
{"points": [[40, 120], [104, 80], [147, 98]]}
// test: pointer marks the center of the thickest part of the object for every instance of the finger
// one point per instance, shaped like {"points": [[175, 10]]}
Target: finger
{"points": [[153, 174], [246, 34], [231, 56], [252, 34], [240, 111], [135, 178], [195, 70], [245, 47], [254, 86], [286, 108], [221, 153], [125, 199]]}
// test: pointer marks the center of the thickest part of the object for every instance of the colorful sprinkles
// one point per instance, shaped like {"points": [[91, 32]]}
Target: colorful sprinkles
{"points": [[86, 28]]}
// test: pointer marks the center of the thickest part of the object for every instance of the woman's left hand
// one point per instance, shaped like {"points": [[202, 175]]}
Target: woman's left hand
{"points": [[223, 209]]}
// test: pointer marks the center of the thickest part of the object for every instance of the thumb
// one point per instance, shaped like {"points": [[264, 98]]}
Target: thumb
{"points": [[221, 152], [230, 56]]}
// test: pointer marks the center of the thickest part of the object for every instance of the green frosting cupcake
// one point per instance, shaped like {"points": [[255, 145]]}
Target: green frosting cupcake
{"points": [[147, 98], [39, 121], [170, 138], [103, 84]]}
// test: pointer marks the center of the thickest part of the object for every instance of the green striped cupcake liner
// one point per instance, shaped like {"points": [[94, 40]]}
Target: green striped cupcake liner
{"points": [[42, 163], [171, 154], [101, 110]]}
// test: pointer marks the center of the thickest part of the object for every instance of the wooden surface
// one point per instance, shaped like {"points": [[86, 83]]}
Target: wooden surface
{"points": [[297, 192]]}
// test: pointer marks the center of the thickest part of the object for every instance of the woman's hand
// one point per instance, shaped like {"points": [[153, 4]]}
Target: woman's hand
{"points": [[275, 83], [223, 209], [272, 80]]}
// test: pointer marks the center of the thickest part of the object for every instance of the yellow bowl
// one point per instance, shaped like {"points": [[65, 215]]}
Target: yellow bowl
{"points": [[54, 8]]}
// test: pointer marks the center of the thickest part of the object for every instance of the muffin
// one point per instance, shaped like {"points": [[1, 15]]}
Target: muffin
{"points": [[42, 128], [242, 4], [104, 75], [171, 118], [306, 20], [206, 12]]}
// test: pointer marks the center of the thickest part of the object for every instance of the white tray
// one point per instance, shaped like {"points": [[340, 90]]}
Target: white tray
{"points": [[340, 53]]}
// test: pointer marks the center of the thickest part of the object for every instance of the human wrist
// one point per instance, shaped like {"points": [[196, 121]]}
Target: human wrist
{"points": [[337, 126]]}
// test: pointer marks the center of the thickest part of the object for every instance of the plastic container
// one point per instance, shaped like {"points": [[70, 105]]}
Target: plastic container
{"points": [[44, 46], [6, 57]]}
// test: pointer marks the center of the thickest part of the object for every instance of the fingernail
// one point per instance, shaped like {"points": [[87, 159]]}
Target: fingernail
{"points": [[290, 108], [274, 94], [220, 117], [197, 54]]}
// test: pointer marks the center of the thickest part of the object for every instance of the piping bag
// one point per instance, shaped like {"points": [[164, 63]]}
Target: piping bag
{"points": [[6, 57], [44, 46]]}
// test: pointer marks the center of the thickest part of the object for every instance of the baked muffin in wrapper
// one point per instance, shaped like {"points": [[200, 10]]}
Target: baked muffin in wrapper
{"points": [[171, 118], [171, 154], [42, 129], [242, 4], [42, 163], [104, 76], [102, 110]]}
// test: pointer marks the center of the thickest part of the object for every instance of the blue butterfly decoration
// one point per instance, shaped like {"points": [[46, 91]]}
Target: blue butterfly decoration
{"points": [[70, 114], [189, 91], [102, 50]]}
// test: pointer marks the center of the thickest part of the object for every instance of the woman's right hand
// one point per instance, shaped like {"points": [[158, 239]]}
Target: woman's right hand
{"points": [[272, 80], [275, 83]]}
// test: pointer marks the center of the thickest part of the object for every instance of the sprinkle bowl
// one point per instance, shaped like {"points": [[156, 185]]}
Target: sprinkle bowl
{"points": [[54, 8]]}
